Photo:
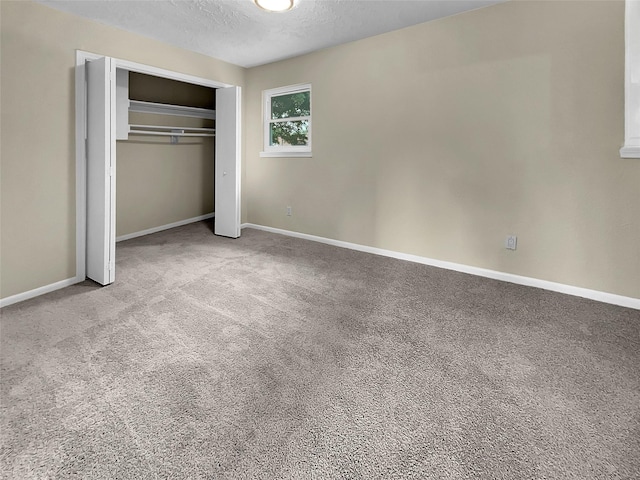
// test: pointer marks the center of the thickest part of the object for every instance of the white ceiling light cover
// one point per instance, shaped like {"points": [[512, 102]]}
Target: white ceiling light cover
{"points": [[275, 5]]}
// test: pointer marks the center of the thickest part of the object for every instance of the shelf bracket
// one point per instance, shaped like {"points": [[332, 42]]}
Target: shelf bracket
{"points": [[176, 138]]}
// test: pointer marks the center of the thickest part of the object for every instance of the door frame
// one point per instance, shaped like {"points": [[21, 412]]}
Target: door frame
{"points": [[81, 137]]}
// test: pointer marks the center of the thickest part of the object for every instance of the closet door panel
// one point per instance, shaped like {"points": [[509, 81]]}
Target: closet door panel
{"points": [[227, 162], [101, 150]]}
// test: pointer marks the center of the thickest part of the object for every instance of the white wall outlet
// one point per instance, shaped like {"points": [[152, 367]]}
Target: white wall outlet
{"points": [[288, 211], [511, 242]]}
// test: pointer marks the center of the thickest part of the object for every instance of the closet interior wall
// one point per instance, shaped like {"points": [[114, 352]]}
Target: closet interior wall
{"points": [[159, 182]]}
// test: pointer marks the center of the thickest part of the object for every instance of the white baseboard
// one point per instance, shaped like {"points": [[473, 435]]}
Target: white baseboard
{"points": [[604, 297], [149, 231], [5, 302]]}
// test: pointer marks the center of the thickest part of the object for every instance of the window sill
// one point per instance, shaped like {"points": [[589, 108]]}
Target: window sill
{"points": [[630, 151], [286, 154]]}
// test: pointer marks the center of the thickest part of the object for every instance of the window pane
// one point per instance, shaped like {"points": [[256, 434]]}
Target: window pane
{"points": [[291, 105], [289, 133]]}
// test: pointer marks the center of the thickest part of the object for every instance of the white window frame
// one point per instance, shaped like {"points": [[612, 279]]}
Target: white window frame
{"points": [[631, 148], [284, 150]]}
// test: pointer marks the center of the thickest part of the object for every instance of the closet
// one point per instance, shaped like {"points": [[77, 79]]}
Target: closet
{"points": [[171, 140], [165, 132]]}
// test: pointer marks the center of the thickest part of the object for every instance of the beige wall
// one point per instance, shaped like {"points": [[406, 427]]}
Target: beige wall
{"points": [[37, 234], [440, 139], [157, 182]]}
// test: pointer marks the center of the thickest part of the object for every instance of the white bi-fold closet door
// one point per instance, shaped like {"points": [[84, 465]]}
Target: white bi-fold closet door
{"points": [[100, 74], [101, 163]]}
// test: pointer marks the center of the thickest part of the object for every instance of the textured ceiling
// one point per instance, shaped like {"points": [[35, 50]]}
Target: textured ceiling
{"points": [[239, 32]]}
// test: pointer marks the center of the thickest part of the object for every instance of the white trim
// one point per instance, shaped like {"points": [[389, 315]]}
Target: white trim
{"points": [[161, 72], [286, 154], [604, 297], [631, 148], [629, 151], [298, 87], [285, 150], [81, 110], [149, 231], [36, 292], [288, 119]]}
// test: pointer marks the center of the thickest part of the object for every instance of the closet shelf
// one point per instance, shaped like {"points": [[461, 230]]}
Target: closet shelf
{"points": [[168, 109], [174, 132]]}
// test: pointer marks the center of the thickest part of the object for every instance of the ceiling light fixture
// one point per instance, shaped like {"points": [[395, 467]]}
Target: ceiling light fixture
{"points": [[275, 5]]}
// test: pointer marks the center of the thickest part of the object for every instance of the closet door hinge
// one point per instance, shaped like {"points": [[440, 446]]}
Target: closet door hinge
{"points": [[112, 266], [111, 171]]}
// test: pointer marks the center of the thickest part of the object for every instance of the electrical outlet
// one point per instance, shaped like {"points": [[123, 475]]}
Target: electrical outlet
{"points": [[288, 211], [511, 242]]}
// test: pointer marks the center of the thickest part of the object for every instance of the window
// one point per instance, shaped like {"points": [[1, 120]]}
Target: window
{"points": [[287, 121], [631, 148]]}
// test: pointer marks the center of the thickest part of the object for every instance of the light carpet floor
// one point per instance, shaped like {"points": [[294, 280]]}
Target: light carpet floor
{"points": [[272, 357]]}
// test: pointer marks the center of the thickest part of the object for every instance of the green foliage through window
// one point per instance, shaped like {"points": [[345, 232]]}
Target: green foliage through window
{"points": [[291, 105], [290, 133], [290, 119]]}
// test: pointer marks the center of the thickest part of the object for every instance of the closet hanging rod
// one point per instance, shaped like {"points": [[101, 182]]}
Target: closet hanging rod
{"points": [[165, 127], [170, 134]]}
